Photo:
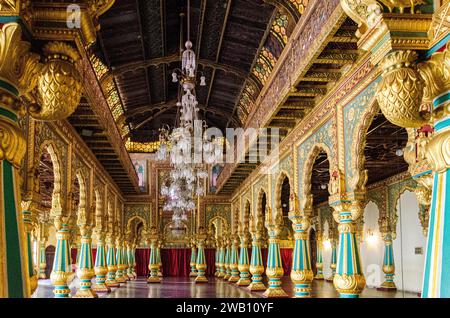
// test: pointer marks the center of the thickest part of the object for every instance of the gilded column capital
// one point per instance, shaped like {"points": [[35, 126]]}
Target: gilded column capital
{"points": [[19, 68]]}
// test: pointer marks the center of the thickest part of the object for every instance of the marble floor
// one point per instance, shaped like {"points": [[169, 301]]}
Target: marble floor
{"points": [[215, 288]]}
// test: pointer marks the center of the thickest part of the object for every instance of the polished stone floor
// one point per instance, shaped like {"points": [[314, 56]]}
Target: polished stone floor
{"points": [[215, 288]]}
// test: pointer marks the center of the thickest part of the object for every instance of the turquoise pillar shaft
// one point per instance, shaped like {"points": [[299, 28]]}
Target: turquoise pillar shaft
{"points": [[234, 272], [333, 259], [244, 265], [349, 279], [436, 282], [319, 260], [201, 264], [222, 270], [274, 270], [130, 262], [125, 262], [42, 261], [111, 264], [256, 266], [100, 267], [27, 224], [216, 259], [301, 272], [14, 267], [158, 260], [61, 264], [85, 268], [388, 263], [153, 265], [227, 263], [193, 262], [120, 265]]}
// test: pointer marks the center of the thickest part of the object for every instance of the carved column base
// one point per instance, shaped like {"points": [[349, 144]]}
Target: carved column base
{"points": [[221, 275], [154, 280], [59, 281], [201, 279], [234, 277], [256, 286], [227, 276], [302, 291], [274, 290], [389, 284], [193, 273], [101, 288], [243, 282], [349, 286], [86, 293]]}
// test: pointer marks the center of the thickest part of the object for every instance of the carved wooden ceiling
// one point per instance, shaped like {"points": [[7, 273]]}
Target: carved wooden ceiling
{"points": [[338, 53], [140, 42]]}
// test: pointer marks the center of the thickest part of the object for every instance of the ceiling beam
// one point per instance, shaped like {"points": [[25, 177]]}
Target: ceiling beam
{"points": [[147, 80], [219, 49]]}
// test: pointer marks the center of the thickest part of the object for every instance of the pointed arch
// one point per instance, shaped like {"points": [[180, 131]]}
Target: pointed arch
{"points": [[305, 197]]}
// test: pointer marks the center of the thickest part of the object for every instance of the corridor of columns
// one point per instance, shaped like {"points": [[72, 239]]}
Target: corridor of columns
{"points": [[224, 149]]}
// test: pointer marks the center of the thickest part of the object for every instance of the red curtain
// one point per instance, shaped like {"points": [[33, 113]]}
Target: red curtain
{"points": [[175, 261], [210, 256], [74, 253], [286, 259], [142, 259]]}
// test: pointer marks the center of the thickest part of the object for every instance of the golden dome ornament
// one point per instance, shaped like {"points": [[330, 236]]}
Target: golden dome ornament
{"points": [[59, 83]]}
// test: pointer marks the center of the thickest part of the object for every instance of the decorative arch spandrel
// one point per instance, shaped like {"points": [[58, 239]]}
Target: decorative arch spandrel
{"points": [[322, 140], [358, 116]]}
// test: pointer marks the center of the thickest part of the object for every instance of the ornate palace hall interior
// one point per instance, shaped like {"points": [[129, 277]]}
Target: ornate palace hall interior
{"points": [[224, 149]]}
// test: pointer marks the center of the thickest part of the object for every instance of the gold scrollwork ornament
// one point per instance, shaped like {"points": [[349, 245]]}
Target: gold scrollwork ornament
{"points": [[349, 284]]}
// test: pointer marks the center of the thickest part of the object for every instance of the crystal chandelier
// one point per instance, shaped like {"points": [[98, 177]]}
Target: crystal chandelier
{"points": [[188, 149]]}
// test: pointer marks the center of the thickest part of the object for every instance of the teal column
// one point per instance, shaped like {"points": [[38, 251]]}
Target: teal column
{"points": [[120, 261], [244, 264], [77, 259], [349, 279], [227, 261], [61, 265], [274, 270], [301, 273], [14, 267], [234, 272], [130, 262], [256, 264], [193, 262], [111, 262], [388, 264], [100, 268], [153, 263], [333, 259], [201, 262], [158, 260], [217, 260], [42, 260], [222, 270], [85, 268], [133, 256], [319, 258], [125, 261], [27, 215], [436, 283]]}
